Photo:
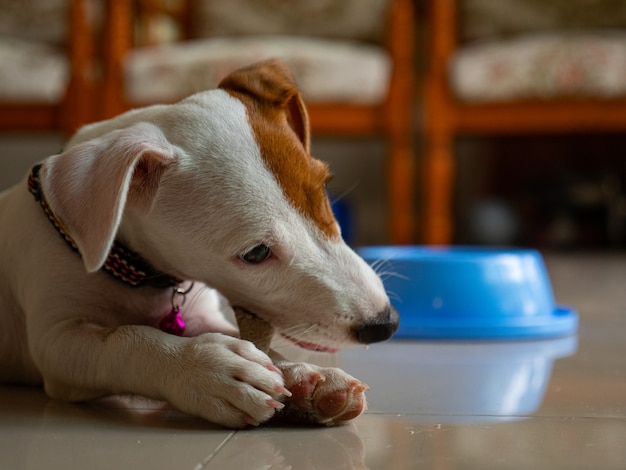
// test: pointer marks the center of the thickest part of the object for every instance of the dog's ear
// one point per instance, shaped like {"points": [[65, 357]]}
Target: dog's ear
{"points": [[89, 185], [270, 82]]}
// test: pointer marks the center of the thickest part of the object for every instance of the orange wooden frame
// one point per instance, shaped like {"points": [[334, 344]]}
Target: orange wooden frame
{"points": [[392, 118], [447, 117]]}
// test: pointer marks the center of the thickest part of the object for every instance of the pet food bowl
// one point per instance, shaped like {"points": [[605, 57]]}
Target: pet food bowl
{"points": [[470, 293]]}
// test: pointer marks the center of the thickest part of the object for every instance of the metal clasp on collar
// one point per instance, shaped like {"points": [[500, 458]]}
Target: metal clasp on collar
{"points": [[178, 292], [173, 322]]}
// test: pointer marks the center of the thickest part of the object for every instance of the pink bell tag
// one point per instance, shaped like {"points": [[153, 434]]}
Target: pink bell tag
{"points": [[173, 323]]}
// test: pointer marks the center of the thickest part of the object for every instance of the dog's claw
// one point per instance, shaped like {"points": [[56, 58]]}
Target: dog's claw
{"points": [[359, 386], [314, 378], [283, 391], [275, 404], [273, 368], [250, 421]]}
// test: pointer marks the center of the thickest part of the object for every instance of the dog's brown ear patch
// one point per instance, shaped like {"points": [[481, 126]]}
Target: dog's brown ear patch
{"points": [[270, 83], [280, 124], [269, 80]]}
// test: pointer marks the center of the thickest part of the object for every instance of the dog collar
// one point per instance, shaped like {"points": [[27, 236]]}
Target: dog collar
{"points": [[122, 263]]}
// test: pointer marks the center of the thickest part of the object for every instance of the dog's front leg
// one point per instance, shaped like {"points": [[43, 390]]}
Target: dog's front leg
{"points": [[219, 378]]}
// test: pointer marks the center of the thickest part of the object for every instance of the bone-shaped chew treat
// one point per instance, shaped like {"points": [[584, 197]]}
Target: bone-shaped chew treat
{"points": [[254, 329]]}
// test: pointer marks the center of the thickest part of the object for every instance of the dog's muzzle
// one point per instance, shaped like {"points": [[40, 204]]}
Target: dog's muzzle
{"points": [[381, 328]]}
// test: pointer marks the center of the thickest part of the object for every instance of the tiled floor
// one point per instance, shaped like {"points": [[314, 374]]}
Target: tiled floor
{"points": [[526, 405]]}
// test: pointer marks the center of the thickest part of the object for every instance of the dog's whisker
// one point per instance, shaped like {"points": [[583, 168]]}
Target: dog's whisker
{"points": [[387, 274], [279, 341], [299, 330], [383, 262], [343, 194], [394, 296], [382, 268], [195, 296], [378, 264]]}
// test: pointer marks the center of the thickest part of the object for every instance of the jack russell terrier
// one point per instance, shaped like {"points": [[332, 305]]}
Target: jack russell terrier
{"points": [[101, 242]]}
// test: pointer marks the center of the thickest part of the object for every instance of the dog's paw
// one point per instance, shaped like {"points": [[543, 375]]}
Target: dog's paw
{"points": [[227, 381], [321, 395]]}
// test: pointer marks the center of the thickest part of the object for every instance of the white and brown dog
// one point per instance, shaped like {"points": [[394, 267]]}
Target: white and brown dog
{"points": [[220, 189]]}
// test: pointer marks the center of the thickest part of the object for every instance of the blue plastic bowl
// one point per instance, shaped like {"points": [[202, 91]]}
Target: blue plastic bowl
{"points": [[470, 293]]}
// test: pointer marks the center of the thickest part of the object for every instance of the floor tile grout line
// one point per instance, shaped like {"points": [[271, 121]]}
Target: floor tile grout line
{"points": [[215, 451]]}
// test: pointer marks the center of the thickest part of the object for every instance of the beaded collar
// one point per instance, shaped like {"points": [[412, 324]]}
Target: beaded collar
{"points": [[122, 263]]}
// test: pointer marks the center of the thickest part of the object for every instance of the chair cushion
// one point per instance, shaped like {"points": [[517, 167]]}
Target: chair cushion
{"points": [[35, 20], [542, 66], [362, 20], [32, 72], [326, 70], [489, 19]]}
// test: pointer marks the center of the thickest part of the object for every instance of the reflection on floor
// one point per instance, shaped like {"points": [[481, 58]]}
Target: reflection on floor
{"points": [[546, 404]]}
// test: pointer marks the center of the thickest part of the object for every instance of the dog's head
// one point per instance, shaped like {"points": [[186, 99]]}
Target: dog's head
{"points": [[222, 188]]}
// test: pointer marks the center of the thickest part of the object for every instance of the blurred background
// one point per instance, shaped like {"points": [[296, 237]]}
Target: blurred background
{"points": [[499, 122]]}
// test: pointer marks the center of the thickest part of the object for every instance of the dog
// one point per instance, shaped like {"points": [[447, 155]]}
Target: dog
{"points": [[101, 243]]}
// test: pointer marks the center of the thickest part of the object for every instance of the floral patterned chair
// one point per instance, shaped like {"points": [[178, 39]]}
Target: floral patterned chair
{"points": [[46, 68], [517, 66], [352, 60]]}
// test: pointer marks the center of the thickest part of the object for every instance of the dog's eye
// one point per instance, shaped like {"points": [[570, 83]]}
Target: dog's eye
{"points": [[256, 255]]}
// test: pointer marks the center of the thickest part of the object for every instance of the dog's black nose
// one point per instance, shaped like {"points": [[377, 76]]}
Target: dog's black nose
{"points": [[380, 328]]}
